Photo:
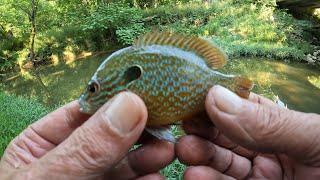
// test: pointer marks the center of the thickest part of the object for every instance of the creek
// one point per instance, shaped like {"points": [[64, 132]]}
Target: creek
{"points": [[296, 84]]}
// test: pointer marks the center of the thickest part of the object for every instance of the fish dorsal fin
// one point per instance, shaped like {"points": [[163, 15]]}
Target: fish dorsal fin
{"points": [[214, 57]]}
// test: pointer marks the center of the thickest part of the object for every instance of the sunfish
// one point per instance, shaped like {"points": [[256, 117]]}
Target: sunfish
{"points": [[172, 73]]}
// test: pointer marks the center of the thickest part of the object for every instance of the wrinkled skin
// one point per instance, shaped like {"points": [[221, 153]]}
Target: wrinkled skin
{"points": [[251, 139], [67, 144]]}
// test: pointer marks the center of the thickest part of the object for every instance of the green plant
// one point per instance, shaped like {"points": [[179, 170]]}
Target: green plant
{"points": [[9, 47], [16, 114], [116, 22]]}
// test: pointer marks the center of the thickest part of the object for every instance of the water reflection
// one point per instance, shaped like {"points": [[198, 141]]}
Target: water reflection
{"points": [[291, 82], [64, 82], [314, 80], [296, 89], [297, 85]]}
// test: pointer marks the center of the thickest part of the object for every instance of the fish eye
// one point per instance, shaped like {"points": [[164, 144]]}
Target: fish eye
{"points": [[93, 87]]}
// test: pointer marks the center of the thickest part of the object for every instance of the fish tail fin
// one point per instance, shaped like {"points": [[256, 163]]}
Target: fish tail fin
{"points": [[243, 86]]}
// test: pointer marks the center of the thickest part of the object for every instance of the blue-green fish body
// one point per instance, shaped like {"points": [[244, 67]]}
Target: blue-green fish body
{"points": [[171, 75]]}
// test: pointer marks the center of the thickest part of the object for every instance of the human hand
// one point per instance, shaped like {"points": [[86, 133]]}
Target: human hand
{"points": [[66, 144], [250, 139]]}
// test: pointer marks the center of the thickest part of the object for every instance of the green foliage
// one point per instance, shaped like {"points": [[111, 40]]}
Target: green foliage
{"points": [[253, 28], [9, 47], [116, 21], [242, 28], [189, 19], [150, 3], [8, 61], [15, 115]]}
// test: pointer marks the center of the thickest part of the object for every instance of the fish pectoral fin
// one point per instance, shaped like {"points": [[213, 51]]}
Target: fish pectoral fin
{"points": [[243, 86], [162, 133]]}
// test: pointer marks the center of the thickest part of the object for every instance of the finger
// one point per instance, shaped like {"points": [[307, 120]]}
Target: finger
{"points": [[58, 125], [265, 128], [255, 98], [195, 151], [147, 159], [206, 130], [102, 141], [204, 173], [268, 167], [152, 177]]}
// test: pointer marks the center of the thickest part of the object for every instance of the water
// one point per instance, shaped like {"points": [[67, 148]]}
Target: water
{"points": [[64, 82], [297, 85]]}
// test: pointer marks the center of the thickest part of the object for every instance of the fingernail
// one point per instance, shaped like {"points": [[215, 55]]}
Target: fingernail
{"points": [[226, 100], [124, 113]]}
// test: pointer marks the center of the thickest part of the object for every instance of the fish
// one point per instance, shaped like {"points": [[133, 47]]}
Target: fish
{"points": [[171, 72]]}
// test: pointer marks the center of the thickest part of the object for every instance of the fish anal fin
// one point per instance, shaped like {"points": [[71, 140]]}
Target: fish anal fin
{"points": [[162, 133], [243, 86], [213, 55]]}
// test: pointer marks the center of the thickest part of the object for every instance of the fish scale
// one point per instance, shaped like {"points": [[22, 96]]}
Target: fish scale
{"points": [[171, 73]]}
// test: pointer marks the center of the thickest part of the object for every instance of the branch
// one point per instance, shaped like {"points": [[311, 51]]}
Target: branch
{"points": [[23, 9], [2, 27], [34, 6]]}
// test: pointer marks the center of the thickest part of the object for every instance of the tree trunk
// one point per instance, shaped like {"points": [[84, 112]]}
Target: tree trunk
{"points": [[32, 58], [32, 19], [31, 49]]}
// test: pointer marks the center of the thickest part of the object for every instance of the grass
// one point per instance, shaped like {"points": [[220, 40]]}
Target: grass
{"points": [[174, 171], [16, 114]]}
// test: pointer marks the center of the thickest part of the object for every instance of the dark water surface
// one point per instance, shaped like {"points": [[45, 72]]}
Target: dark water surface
{"points": [[297, 85]]}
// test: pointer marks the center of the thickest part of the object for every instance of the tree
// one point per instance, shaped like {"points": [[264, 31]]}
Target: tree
{"points": [[31, 11]]}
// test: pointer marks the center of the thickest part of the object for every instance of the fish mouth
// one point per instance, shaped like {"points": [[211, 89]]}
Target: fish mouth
{"points": [[85, 107]]}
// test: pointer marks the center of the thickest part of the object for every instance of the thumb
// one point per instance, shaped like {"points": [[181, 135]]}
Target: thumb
{"points": [[264, 127], [101, 142]]}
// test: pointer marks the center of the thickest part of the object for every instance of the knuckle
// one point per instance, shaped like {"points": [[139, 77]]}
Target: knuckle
{"points": [[229, 161]]}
